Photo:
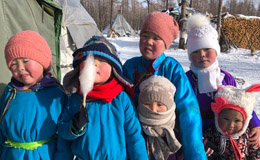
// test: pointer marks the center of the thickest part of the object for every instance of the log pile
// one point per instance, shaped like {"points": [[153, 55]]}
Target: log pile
{"points": [[242, 32]]}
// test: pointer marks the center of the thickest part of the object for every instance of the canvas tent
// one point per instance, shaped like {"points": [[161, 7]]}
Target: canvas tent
{"points": [[76, 28], [120, 27], [42, 16]]}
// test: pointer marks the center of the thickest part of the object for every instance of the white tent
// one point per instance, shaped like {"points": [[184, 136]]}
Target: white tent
{"points": [[76, 28], [120, 27]]}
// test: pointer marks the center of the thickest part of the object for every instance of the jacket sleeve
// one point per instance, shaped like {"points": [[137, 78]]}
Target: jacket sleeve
{"points": [[65, 121], [135, 143], [3, 101], [254, 122], [188, 113], [63, 150]]}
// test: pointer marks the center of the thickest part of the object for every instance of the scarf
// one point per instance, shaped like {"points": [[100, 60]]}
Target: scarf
{"points": [[208, 78], [159, 130], [105, 92], [47, 81], [235, 147]]}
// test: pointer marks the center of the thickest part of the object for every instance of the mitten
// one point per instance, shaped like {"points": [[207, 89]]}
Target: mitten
{"points": [[210, 148], [80, 121]]}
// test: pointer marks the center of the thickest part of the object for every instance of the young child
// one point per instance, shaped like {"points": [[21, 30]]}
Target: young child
{"points": [[32, 102], [108, 128], [156, 109], [205, 74], [156, 36], [233, 110]]}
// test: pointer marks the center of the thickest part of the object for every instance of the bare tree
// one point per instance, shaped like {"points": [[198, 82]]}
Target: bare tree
{"points": [[219, 17], [184, 5], [111, 13], [148, 5]]}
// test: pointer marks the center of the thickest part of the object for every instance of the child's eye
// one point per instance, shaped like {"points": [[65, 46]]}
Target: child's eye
{"points": [[144, 36], [238, 121], [26, 60], [226, 119], [159, 104], [157, 38]]}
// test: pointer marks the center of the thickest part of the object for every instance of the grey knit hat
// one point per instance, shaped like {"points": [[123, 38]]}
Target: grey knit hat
{"points": [[157, 88]]}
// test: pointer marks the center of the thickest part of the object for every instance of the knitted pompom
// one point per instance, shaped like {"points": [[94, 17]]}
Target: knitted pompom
{"points": [[196, 20]]}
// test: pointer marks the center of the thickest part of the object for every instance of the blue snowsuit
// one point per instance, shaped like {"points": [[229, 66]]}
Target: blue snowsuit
{"points": [[113, 131], [32, 116]]}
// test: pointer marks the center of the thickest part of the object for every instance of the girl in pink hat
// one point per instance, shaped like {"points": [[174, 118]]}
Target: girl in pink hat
{"points": [[32, 102]]}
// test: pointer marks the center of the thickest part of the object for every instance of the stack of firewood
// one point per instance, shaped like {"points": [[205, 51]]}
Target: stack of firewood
{"points": [[242, 32]]}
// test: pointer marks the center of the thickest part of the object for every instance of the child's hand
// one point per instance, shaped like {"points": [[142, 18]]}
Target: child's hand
{"points": [[254, 138], [210, 148], [80, 120]]}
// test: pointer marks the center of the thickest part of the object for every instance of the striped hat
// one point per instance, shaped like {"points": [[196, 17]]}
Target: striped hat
{"points": [[102, 48]]}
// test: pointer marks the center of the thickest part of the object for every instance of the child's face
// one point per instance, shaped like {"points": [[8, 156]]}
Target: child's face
{"points": [[156, 106], [103, 70], [151, 46], [27, 71], [203, 58], [230, 121]]}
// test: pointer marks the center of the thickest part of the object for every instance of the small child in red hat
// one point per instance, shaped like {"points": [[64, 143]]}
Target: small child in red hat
{"points": [[233, 111]]}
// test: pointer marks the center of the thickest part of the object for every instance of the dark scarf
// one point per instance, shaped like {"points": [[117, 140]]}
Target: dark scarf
{"points": [[47, 81], [105, 92]]}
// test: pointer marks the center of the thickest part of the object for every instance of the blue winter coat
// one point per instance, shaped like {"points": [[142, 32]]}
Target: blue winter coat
{"points": [[31, 117], [187, 109], [113, 131]]}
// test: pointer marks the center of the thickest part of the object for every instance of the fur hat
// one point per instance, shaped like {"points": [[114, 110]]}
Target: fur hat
{"points": [[28, 44], [163, 25], [99, 47], [201, 34], [242, 100], [157, 88]]}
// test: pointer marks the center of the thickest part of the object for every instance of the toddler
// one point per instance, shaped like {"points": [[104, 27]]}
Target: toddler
{"points": [[156, 109], [233, 110]]}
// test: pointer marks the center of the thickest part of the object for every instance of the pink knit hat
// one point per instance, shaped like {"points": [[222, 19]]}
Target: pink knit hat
{"points": [[28, 44], [163, 25]]}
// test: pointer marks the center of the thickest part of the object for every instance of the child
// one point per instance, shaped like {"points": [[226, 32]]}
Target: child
{"points": [[204, 74], [233, 111], [108, 128], [156, 109], [32, 102], [157, 34]]}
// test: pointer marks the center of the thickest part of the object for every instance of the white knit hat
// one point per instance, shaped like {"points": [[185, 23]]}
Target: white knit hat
{"points": [[242, 100], [201, 34]]}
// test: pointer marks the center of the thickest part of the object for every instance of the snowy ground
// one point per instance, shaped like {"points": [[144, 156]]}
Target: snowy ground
{"points": [[237, 62]]}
